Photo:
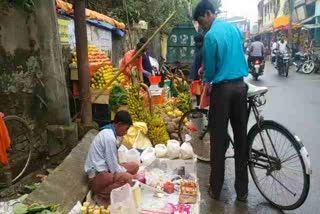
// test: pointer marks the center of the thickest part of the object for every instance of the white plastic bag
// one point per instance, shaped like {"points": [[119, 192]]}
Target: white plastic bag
{"points": [[133, 155], [186, 151], [148, 156], [173, 147], [122, 154], [122, 201], [161, 150]]}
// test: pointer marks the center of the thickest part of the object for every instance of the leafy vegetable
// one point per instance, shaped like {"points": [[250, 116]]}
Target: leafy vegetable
{"points": [[118, 97], [20, 209]]}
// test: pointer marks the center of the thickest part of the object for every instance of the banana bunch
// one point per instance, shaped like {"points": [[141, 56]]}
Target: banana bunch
{"points": [[184, 103], [157, 132], [136, 105]]}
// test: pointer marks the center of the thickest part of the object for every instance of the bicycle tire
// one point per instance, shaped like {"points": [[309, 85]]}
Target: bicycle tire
{"points": [[202, 151], [15, 120], [267, 125], [308, 70]]}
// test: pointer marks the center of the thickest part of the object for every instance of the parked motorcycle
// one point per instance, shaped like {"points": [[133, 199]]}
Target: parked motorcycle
{"points": [[304, 62], [282, 63], [257, 68]]}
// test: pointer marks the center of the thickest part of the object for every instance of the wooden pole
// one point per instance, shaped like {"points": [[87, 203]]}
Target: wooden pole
{"points": [[139, 52], [82, 59]]}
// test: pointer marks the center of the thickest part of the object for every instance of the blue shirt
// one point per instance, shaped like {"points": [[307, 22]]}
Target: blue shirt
{"points": [[103, 154], [223, 56]]}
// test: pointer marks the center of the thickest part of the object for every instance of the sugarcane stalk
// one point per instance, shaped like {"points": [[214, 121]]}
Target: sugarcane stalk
{"points": [[138, 53]]}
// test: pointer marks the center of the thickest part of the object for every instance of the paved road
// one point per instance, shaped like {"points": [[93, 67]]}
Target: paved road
{"points": [[295, 103]]}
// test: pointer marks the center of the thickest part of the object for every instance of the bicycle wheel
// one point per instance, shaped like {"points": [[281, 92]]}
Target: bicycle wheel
{"points": [[276, 166], [21, 145], [195, 123]]}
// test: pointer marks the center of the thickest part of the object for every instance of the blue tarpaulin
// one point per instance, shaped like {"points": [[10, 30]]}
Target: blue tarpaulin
{"points": [[98, 24]]}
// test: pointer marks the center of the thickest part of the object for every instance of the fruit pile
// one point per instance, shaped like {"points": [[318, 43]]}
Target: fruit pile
{"points": [[172, 111], [102, 77], [157, 132], [95, 57], [136, 105], [184, 102]]}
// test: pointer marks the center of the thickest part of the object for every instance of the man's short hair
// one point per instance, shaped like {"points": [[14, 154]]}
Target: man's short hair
{"points": [[123, 117], [139, 45], [143, 40], [201, 9], [258, 38]]}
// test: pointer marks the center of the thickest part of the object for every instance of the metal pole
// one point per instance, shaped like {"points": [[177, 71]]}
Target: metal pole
{"points": [[290, 36], [82, 58]]}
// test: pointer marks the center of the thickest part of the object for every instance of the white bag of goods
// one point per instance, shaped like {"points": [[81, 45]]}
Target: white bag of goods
{"points": [[133, 155], [122, 154], [186, 151], [173, 147], [161, 150], [122, 201], [148, 156]]}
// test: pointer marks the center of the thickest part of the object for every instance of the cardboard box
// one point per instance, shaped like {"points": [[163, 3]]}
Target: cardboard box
{"points": [[102, 99]]}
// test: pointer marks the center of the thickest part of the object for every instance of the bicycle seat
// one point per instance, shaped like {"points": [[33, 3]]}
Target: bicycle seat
{"points": [[256, 90]]}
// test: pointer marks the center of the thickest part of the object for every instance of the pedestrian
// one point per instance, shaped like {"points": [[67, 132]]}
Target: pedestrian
{"points": [[104, 171], [274, 47], [225, 67], [256, 51], [146, 64], [197, 61], [136, 63]]}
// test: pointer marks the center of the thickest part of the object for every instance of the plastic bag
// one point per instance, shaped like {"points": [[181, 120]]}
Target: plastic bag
{"points": [[122, 154], [135, 137], [186, 151], [133, 155], [122, 201], [205, 96], [161, 150], [173, 147], [148, 156]]}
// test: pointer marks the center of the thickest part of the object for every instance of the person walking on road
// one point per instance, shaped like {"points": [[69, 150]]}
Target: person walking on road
{"points": [[225, 67]]}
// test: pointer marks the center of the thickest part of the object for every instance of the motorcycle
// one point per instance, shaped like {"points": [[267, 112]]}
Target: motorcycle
{"points": [[282, 63], [304, 62], [257, 68]]}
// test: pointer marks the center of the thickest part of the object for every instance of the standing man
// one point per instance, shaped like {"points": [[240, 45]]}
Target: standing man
{"points": [[146, 64], [136, 63], [224, 67], [104, 171], [197, 61]]}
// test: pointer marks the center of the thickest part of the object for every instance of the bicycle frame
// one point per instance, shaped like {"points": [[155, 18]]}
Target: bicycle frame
{"points": [[274, 162]]}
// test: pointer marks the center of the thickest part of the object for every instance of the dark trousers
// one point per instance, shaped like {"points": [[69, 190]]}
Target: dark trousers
{"points": [[229, 102]]}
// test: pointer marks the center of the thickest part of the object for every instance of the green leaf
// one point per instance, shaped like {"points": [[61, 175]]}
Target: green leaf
{"points": [[20, 209]]}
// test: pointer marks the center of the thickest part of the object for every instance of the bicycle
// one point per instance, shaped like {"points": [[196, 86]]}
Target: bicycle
{"points": [[280, 169], [20, 149]]}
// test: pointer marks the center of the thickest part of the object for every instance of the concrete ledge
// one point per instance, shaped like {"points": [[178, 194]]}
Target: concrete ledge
{"points": [[67, 184]]}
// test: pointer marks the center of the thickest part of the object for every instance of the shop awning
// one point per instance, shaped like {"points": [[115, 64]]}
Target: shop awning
{"points": [[307, 20], [312, 26], [282, 23]]}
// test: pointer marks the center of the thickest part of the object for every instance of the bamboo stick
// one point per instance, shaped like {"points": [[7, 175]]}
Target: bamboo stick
{"points": [[135, 56]]}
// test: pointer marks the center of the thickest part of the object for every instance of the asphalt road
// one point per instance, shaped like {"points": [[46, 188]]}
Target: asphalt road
{"points": [[295, 103]]}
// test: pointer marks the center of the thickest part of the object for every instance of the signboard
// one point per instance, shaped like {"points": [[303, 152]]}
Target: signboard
{"points": [[96, 36], [299, 2], [181, 44], [64, 30], [301, 12]]}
